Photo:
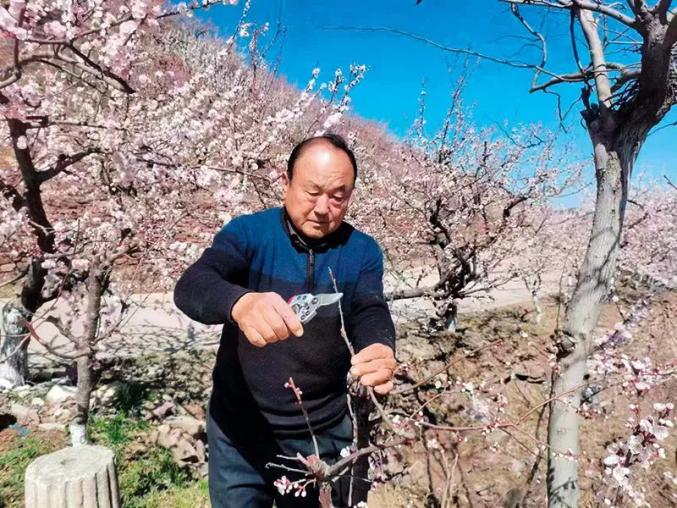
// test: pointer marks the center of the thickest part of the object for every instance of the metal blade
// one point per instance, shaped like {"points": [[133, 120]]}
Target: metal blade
{"points": [[328, 298]]}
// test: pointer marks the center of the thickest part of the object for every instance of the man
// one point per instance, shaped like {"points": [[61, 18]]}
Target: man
{"points": [[256, 264]]}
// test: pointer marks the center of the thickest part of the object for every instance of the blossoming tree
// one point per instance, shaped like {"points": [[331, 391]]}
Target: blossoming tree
{"points": [[123, 129]]}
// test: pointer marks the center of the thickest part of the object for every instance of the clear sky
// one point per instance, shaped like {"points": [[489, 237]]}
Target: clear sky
{"points": [[317, 34]]}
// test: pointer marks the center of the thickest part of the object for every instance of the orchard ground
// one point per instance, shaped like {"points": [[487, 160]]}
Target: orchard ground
{"points": [[480, 470]]}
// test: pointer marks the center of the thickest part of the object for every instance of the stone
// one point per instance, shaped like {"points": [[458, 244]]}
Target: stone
{"points": [[74, 477], [105, 394], [419, 350], [63, 415], [201, 451], [58, 394], [37, 401], [24, 415], [184, 452], [136, 450], [52, 427], [167, 437], [163, 410], [188, 424], [196, 410]]}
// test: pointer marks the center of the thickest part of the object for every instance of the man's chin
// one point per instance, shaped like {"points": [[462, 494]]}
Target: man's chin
{"points": [[316, 230]]}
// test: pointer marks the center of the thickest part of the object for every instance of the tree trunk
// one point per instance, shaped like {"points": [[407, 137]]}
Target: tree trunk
{"points": [[537, 307], [613, 164], [97, 279], [447, 314], [359, 473], [78, 427], [13, 345]]}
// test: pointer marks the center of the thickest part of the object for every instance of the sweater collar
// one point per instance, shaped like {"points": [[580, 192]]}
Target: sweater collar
{"points": [[305, 243]]}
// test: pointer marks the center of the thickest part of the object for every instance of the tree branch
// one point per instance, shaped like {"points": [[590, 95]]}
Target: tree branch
{"points": [[582, 4], [599, 67], [662, 7], [63, 162], [9, 192]]}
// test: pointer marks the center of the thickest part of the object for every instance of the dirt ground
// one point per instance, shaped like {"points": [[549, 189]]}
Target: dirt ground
{"points": [[504, 357]]}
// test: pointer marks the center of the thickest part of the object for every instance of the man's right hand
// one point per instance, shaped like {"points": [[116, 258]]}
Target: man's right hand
{"points": [[265, 318]]}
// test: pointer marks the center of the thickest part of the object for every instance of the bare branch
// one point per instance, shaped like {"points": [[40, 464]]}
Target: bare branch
{"points": [[589, 26], [662, 7], [637, 6], [538, 36], [584, 5], [48, 346], [670, 183], [462, 51], [63, 162]]}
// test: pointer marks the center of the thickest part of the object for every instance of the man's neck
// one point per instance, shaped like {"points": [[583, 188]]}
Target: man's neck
{"points": [[304, 241]]}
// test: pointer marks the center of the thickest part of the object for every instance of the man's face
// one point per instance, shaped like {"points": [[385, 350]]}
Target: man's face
{"points": [[318, 195]]}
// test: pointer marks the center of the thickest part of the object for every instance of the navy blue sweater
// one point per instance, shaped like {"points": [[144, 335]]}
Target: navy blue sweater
{"points": [[263, 252]]}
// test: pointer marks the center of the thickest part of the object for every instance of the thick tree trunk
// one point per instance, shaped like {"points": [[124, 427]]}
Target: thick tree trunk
{"points": [[13, 361], [613, 163], [13, 345]]}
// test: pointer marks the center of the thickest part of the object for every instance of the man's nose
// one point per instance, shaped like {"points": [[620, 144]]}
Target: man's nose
{"points": [[322, 205]]}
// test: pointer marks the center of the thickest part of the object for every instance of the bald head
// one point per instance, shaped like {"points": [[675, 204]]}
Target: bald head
{"points": [[329, 141]]}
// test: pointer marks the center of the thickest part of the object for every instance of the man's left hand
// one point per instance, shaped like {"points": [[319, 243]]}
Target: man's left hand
{"points": [[375, 366]]}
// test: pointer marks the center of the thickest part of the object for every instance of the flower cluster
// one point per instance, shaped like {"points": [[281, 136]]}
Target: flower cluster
{"points": [[639, 450], [285, 486]]}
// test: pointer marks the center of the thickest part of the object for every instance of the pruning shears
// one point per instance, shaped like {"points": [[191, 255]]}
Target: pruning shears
{"points": [[305, 306]]}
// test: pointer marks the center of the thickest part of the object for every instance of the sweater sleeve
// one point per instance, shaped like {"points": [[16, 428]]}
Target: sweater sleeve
{"points": [[208, 289], [369, 321]]}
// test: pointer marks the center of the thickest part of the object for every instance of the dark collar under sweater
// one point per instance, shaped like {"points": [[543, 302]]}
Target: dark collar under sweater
{"points": [[305, 243]]}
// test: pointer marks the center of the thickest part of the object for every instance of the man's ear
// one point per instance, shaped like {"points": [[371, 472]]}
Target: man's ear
{"points": [[285, 184]]}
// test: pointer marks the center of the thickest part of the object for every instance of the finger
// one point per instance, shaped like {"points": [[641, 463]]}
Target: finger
{"points": [[371, 353], [376, 378], [273, 319], [385, 388], [290, 318], [267, 332], [254, 337], [373, 366]]}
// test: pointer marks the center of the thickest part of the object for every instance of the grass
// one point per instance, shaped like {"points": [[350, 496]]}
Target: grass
{"points": [[191, 495], [117, 431], [150, 478], [16, 453], [147, 479]]}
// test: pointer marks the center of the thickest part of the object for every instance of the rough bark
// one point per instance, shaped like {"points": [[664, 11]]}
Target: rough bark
{"points": [[85, 383], [14, 341], [14, 368], [594, 281], [31, 297]]}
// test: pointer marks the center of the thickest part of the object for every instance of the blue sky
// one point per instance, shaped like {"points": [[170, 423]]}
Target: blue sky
{"points": [[318, 35]]}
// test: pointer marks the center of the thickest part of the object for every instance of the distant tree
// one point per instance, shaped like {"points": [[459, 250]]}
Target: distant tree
{"points": [[463, 205]]}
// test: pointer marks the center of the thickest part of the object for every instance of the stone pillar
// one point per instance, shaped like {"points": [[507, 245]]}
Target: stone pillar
{"points": [[75, 477]]}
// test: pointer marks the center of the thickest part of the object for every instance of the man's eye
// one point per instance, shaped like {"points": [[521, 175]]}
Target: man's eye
{"points": [[313, 193], [338, 198]]}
